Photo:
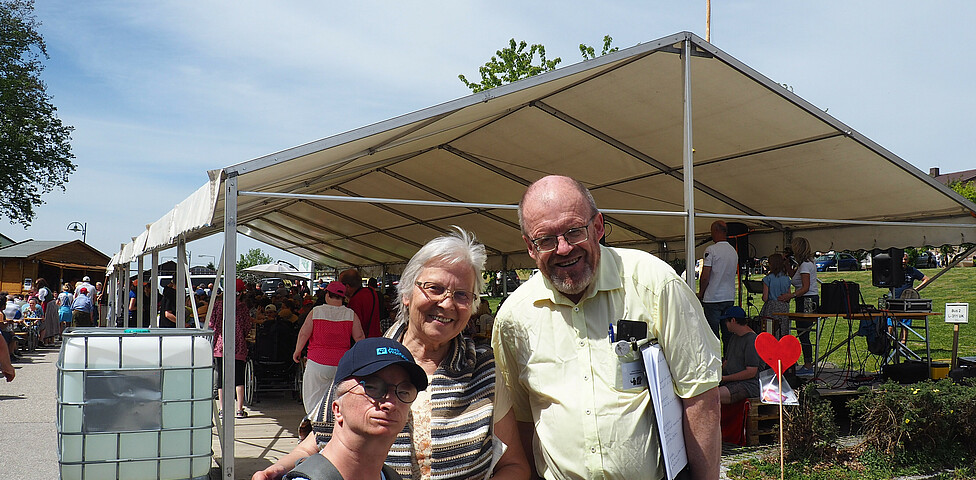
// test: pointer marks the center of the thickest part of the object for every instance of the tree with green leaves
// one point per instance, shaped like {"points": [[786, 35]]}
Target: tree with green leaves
{"points": [[514, 63], [253, 257], [589, 53], [510, 64], [34, 144], [966, 189]]}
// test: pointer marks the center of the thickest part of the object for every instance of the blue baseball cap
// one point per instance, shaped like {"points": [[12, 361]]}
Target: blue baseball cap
{"points": [[732, 312], [371, 355]]}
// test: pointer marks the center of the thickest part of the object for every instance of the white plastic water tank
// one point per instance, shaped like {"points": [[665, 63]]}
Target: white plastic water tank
{"points": [[135, 403]]}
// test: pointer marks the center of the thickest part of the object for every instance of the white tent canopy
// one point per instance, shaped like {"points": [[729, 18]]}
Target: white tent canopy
{"points": [[632, 126], [615, 123]]}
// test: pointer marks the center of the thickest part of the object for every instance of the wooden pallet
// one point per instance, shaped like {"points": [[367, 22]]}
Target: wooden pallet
{"points": [[762, 426]]}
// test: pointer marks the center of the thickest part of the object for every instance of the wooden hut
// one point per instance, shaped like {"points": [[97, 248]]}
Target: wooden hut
{"points": [[22, 263]]}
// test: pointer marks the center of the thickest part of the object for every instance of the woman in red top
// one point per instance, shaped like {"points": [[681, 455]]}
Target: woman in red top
{"points": [[330, 327]]}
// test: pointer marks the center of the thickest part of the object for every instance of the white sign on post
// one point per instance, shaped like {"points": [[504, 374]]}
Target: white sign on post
{"points": [[957, 313]]}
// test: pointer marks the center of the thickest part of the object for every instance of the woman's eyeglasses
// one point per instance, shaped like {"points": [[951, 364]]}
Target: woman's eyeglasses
{"points": [[437, 293]]}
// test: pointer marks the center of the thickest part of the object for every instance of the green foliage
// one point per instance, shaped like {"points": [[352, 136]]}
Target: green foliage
{"points": [[908, 423], [966, 189], [253, 257], [34, 144], [810, 431], [510, 64], [514, 63], [589, 53]]}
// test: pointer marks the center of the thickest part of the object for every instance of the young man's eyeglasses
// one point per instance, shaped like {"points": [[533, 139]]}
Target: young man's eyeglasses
{"points": [[573, 236], [437, 293], [377, 388]]}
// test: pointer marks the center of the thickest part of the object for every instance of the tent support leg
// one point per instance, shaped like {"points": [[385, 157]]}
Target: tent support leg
{"points": [[154, 283], [689, 177], [230, 314], [180, 282]]}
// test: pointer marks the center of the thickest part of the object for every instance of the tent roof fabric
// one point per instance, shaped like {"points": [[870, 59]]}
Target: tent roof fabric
{"points": [[615, 123]]}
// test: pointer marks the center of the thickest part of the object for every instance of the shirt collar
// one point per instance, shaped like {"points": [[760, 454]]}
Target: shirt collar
{"points": [[607, 278]]}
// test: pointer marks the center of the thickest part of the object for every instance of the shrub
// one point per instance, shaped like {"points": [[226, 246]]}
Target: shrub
{"points": [[810, 431], [909, 422]]}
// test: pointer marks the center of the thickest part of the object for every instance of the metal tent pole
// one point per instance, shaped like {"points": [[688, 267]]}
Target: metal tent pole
{"points": [[688, 171], [154, 288], [180, 282], [140, 301], [230, 314]]}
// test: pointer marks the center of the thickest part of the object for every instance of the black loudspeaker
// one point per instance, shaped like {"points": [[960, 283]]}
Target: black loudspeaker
{"points": [[886, 268], [906, 372], [738, 234]]}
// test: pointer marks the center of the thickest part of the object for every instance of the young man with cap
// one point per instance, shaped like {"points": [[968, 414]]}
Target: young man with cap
{"points": [[742, 362], [376, 381]]}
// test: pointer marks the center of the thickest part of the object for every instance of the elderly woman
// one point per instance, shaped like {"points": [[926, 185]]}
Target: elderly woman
{"points": [[455, 426], [327, 331]]}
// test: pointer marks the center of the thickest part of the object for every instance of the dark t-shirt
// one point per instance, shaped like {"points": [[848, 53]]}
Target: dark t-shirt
{"points": [[168, 305], [911, 274], [741, 353]]}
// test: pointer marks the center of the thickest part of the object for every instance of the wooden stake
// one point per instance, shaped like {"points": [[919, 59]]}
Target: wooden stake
{"points": [[708, 20], [782, 469], [955, 346]]}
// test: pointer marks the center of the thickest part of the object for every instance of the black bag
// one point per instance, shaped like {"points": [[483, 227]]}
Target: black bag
{"points": [[840, 297], [875, 332]]}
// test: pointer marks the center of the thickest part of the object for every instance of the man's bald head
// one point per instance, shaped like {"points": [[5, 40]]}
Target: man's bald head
{"points": [[554, 190]]}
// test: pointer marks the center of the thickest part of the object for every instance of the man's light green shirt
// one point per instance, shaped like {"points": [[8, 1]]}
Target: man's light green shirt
{"points": [[556, 361]]}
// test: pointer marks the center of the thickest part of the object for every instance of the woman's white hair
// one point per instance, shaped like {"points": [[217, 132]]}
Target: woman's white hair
{"points": [[459, 247]]}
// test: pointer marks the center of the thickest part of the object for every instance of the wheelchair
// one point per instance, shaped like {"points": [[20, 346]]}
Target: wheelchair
{"points": [[269, 366]]}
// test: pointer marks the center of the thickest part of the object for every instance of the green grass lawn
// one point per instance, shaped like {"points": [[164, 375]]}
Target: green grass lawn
{"points": [[956, 285]]}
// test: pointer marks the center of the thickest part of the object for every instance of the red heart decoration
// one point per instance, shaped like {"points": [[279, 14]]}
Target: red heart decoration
{"points": [[779, 354]]}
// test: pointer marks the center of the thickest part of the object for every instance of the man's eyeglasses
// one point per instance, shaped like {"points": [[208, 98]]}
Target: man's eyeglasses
{"points": [[376, 388], [437, 293], [573, 236]]}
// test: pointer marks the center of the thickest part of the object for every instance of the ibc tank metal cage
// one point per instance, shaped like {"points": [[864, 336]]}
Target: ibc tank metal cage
{"points": [[135, 403]]}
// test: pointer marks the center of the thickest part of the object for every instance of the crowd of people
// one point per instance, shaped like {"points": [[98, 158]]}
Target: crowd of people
{"points": [[41, 316]]}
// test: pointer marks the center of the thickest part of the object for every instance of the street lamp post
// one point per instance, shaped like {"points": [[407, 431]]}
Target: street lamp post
{"points": [[79, 227]]}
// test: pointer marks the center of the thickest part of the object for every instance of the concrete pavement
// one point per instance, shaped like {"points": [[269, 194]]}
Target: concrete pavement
{"points": [[28, 435]]}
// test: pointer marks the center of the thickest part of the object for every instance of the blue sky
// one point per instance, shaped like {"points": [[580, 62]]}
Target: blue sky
{"points": [[160, 92]]}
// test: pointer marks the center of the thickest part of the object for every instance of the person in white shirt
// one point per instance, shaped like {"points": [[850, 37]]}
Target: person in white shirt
{"points": [[716, 287]]}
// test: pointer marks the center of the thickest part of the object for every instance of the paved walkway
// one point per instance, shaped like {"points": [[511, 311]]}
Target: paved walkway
{"points": [[28, 435]]}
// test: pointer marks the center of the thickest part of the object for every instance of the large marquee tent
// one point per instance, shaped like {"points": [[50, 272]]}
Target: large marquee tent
{"points": [[669, 135]]}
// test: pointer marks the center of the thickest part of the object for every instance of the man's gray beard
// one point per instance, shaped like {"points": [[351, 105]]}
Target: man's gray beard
{"points": [[567, 286]]}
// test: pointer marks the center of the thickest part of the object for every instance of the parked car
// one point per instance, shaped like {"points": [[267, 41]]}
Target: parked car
{"points": [[926, 260], [269, 285], [837, 261]]}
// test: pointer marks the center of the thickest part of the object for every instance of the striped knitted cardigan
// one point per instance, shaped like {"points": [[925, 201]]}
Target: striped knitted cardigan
{"points": [[462, 395]]}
